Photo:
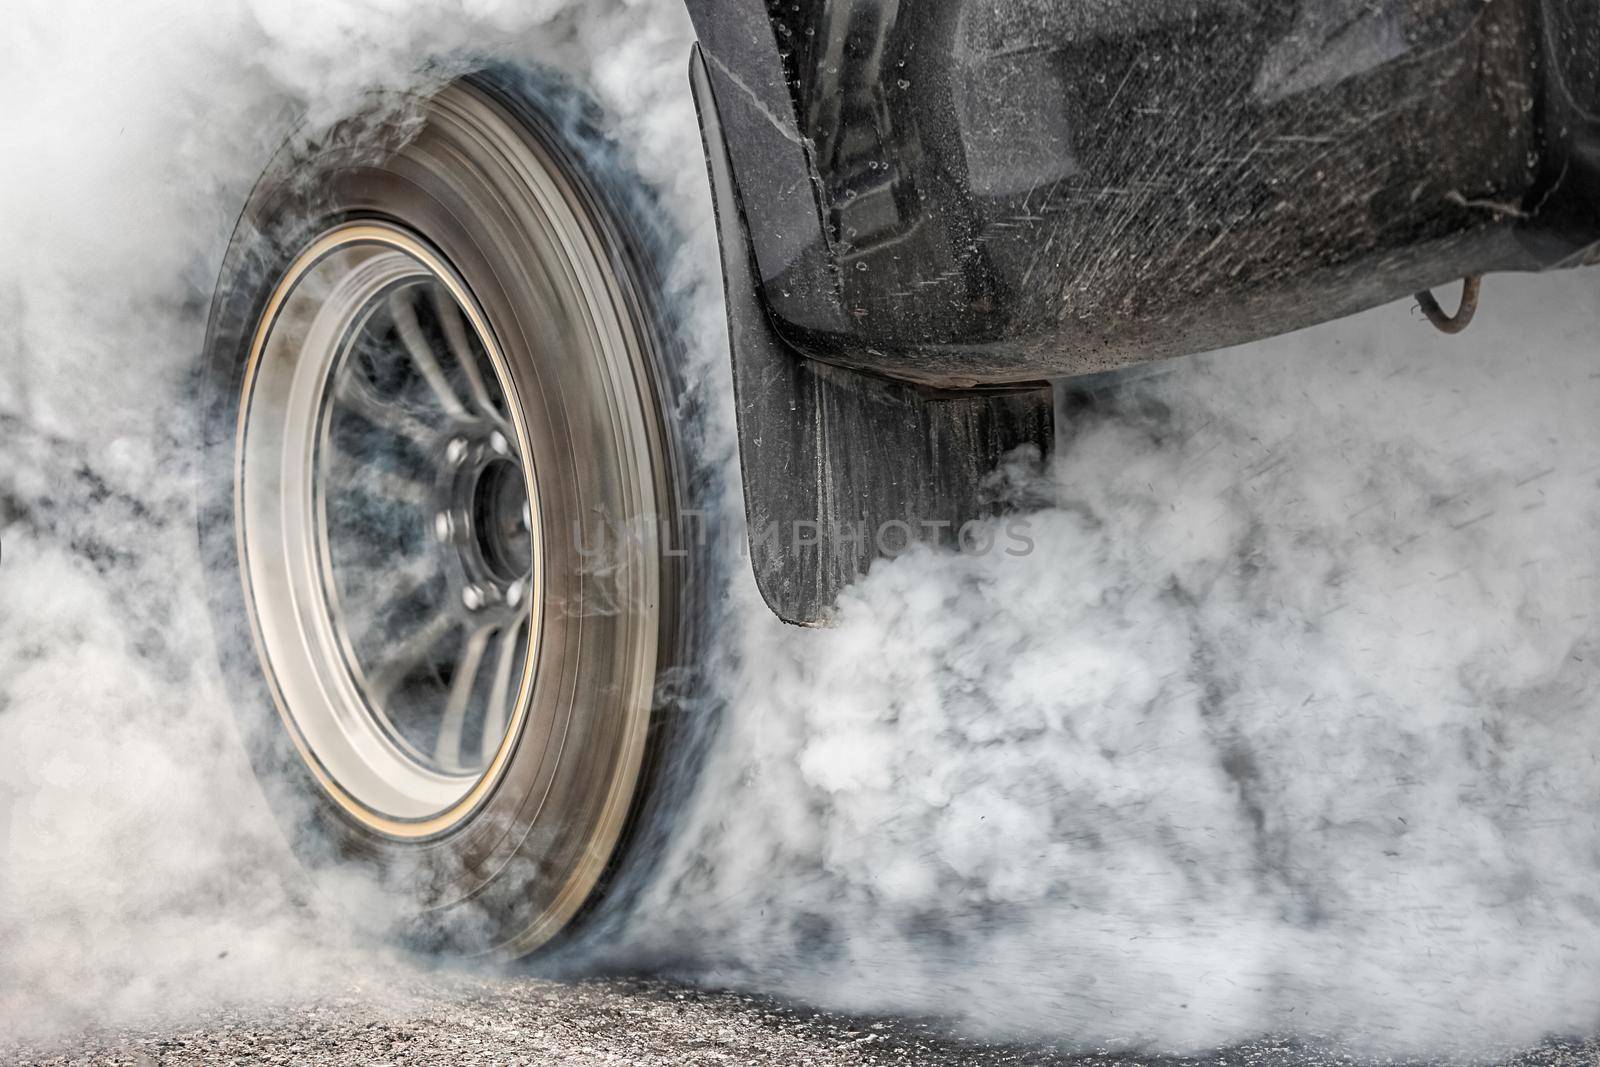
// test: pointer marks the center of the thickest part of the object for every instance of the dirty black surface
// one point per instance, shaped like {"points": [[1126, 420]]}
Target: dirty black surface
{"points": [[969, 190], [867, 467]]}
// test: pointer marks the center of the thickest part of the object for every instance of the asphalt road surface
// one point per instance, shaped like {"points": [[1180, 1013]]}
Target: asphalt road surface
{"points": [[462, 1020]]}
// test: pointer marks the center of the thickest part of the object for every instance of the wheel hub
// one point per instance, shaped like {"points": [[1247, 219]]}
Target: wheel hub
{"points": [[484, 517]]}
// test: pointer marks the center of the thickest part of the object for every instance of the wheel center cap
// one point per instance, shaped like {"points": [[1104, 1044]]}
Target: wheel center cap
{"points": [[499, 510], [485, 516]]}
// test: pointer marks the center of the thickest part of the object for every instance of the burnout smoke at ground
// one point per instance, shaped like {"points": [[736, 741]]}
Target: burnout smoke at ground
{"points": [[141, 871], [1287, 724]]}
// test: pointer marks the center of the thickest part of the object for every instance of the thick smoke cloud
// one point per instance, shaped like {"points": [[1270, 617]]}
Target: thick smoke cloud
{"points": [[1287, 724], [141, 871]]}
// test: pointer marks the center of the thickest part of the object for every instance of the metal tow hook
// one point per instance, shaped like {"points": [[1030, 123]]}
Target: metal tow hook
{"points": [[1463, 316]]}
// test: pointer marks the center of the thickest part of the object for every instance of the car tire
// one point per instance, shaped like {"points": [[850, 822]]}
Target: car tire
{"points": [[439, 457]]}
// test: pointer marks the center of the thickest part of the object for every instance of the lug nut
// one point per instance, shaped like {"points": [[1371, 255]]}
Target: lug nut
{"points": [[514, 594], [456, 450], [472, 596], [497, 442], [444, 527]]}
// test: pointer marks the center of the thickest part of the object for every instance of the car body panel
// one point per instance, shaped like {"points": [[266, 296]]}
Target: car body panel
{"points": [[928, 208], [959, 191]]}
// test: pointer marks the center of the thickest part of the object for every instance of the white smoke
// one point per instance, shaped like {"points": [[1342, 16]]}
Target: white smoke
{"points": [[1290, 723], [140, 871], [1286, 725]]}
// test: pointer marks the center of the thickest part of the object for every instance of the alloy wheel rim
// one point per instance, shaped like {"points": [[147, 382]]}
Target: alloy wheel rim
{"points": [[389, 529]]}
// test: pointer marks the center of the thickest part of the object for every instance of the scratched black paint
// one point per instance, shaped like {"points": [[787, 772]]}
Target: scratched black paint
{"points": [[959, 194], [956, 191]]}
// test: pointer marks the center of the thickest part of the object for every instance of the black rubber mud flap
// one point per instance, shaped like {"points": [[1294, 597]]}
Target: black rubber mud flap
{"points": [[841, 468]]}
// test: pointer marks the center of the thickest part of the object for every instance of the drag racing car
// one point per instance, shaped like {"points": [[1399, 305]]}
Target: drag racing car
{"points": [[429, 362]]}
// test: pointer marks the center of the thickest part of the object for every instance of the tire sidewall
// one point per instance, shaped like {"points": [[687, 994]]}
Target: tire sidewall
{"points": [[465, 890]]}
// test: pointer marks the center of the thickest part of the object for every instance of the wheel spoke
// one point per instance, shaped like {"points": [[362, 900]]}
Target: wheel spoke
{"points": [[379, 483], [455, 333], [403, 309], [500, 693], [355, 393], [410, 654], [447, 750], [370, 617]]}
